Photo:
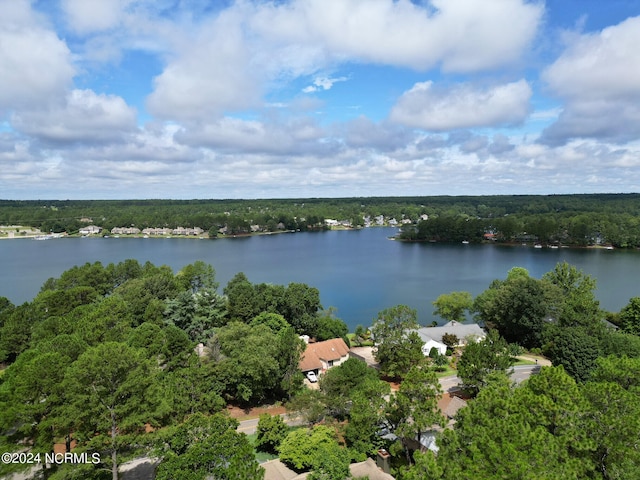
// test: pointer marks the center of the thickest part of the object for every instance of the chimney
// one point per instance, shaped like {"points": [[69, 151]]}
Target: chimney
{"points": [[383, 461]]}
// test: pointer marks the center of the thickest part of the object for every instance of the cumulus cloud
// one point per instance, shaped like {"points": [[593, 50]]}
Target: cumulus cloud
{"points": [[462, 35], [598, 79], [84, 116], [35, 64], [96, 15], [462, 106], [212, 75], [229, 60]]}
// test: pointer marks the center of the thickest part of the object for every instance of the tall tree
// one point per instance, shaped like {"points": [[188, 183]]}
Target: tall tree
{"points": [[207, 447], [575, 349], [112, 392], [248, 361], [519, 307], [535, 431], [630, 316], [398, 346], [579, 306], [197, 276], [367, 416], [481, 359], [271, 432], [452, 306], [414, 409], [613, 422]]}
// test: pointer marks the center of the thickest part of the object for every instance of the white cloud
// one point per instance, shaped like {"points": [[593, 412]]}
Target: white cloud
{"points": [[462, 106], [228, 60], [599, 79], [462, 35], [35, 64], [88, 16], [298, 136], [84, 116], [323, 83], [210, 76]]}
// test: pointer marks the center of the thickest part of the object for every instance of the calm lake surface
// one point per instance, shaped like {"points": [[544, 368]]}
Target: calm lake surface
{"points": [[359, 272]]}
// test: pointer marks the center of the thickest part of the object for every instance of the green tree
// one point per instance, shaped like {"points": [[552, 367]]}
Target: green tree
{"points": [[290, 348], [367, 416], [630, 316], [310, 405], [613, 423], [339, 382], [192, 389], [622, 371], [198, 314], [451, 340], [243, 303], [314, 449], [535, 431], [274, 321], [301, 304], [16, 332], [579, 306], [575, 349], [30, 392], [452, 306], [398, 346], [480, 359], [271, 432], [207, 447], [247, 361], [329, 326], [112, 392], [414, 409], [519, 307], [197, 276]]}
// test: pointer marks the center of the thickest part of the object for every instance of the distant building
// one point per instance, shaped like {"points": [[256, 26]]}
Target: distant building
{"points": [[90, 230]]}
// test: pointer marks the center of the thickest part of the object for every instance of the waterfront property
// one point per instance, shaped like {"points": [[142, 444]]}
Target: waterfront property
{"points": [[321, 356], [432, 337]]}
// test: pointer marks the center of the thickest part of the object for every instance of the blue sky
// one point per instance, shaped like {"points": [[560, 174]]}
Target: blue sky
{"points": [[317, 98]]}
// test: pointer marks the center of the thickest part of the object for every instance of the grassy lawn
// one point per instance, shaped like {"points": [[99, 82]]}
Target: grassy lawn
{"points": [[447, 372], [260, 456]]}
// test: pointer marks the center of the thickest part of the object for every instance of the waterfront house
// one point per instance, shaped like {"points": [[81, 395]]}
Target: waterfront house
{"points": [[466, 332], [321, 356]]}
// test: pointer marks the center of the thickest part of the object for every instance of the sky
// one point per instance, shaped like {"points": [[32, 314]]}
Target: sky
{"points": [[123, 99]]}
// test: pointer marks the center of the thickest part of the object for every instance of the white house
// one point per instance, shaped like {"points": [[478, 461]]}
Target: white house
{"points": [[90, 230], [466, 332]]}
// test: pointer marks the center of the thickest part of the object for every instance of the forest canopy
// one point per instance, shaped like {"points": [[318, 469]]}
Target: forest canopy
{"points": [[612, 219]]}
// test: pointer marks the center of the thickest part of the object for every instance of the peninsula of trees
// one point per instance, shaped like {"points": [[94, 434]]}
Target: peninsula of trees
{"points": [[576, 220]]}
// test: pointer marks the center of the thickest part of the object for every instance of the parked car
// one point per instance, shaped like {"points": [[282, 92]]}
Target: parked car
{"points": [[311, 376]]}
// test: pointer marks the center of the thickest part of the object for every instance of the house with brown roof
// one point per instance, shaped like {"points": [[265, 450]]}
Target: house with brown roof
{"points": [[321, 356]]}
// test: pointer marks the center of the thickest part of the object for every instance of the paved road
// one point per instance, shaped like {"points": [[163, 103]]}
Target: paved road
{"points": [[250, 426], [518, 375], [449, 384]]}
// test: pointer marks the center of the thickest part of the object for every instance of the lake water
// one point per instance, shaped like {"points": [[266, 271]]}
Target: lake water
{"points": [[359, 272]]}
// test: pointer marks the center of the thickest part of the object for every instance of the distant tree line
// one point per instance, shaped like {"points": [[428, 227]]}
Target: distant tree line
{"points": [[553, 219]]}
